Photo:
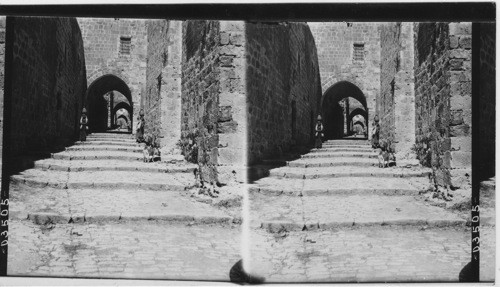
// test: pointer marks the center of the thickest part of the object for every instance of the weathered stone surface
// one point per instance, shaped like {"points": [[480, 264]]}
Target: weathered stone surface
{"points": [[335, 43], [48, 81], [396, 103], [104, 56], [283, 88]]}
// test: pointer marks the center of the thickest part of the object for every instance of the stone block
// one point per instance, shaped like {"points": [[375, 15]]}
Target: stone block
{"points": [[461, 159], [461, 28], [453, 42], [460, 178], [227, 127], [231, 156], [237, 39], [226, 61], [463, 144], [459, 131], [456, 117], [224, 38], [225, 114], [465, 42]]}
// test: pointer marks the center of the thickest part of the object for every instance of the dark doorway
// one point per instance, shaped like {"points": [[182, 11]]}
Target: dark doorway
{"points": [[105, 96], [337, 118]]}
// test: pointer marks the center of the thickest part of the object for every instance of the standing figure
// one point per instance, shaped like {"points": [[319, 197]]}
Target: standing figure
{"points": [[319, 133], [84, 125], [139, 130], [375, 133]]}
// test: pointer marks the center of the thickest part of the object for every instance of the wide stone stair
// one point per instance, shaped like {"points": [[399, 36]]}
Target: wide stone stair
{"points": [[97, 210], [302, 212]]}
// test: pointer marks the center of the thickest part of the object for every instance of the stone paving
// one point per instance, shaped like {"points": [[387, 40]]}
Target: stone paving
{"points": [[118, 217], [326, 218], [145, 250], [369, 254]]}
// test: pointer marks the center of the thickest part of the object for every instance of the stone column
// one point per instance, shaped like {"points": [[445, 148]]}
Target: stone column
{"points": [[171, 90], [404, 96]]}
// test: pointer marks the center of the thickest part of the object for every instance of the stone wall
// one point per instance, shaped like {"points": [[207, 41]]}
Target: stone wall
{"points": [[104, 56], [48, 83], [162, 100], [432, 104], [213, 97], [283, 88], [335, 45], [443, 100], [396, 104], [487, 122], [460, 39]]}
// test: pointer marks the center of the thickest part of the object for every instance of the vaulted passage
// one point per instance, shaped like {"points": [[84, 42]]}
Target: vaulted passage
{"points": [[108, 99], [339, 119]]}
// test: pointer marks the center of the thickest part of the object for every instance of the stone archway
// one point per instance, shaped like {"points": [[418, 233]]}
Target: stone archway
{"points": [[336, 110], [96, 104]]}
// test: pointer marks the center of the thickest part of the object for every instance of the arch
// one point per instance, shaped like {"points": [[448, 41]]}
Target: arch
{"points": [[344, 89], [356, 112], [122, 105], [336, 116], [359, 123], [97, 105]]}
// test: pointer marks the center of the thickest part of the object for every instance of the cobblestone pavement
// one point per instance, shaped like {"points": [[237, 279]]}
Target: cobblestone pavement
{"points": [[145, 250], [340, 218], [369, 254]]}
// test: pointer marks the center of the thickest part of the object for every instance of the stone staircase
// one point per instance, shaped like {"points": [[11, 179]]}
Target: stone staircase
{"points": [[337, 192], [105, 179], [97, 210]]}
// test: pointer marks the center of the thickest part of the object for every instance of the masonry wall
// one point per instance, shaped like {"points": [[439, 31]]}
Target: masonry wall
{"points": [[443, 100], [487, 122], [335, 47], [396, 104], [213, 97], [101, 38], [162, 100], [48, 83], [460, 39], [283, 88]]}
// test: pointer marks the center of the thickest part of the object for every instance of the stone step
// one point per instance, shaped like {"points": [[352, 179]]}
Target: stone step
{"points": [[342, 149], [326, 162], [147, 250], [98, 155], [340, 154], [339, 187], [108, 143], [368, 254], [347, 171], [111, 135], [105, 180], [109, 139], [43, 205], [325, 212], [346, 142], [110, 165], [126, 148]]}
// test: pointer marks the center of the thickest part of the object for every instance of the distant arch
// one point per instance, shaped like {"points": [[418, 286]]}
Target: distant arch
{"points": [[334, 113], [97, 105]]}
